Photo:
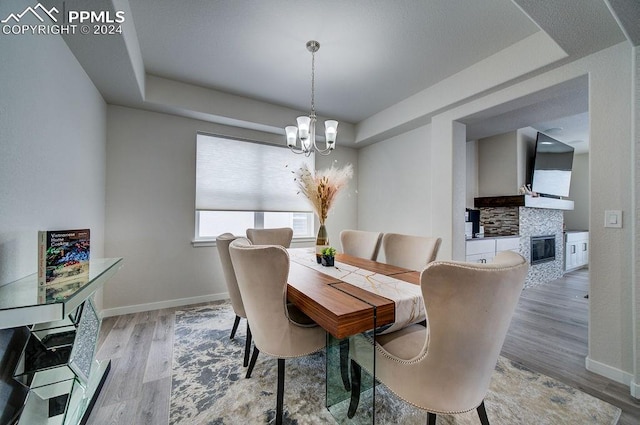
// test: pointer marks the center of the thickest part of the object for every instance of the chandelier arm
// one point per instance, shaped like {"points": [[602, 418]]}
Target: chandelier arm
{"points": [[301, 151], [296, 150], [325, 151]]}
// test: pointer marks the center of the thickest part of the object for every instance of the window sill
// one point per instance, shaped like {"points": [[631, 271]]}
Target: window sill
{"points": [[199, 243]]}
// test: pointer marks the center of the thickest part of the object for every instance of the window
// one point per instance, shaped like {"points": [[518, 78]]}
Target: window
{"points": [[242, 184], [213, 223]]}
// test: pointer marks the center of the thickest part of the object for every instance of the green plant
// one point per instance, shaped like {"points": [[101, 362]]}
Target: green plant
{"points": [[328, 251]]}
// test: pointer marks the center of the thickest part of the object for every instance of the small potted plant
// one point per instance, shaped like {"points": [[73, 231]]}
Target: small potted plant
{"points": [[328, 256]]}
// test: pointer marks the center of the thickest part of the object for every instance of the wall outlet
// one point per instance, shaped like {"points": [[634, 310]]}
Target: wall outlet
{"points": [[613, 218]]}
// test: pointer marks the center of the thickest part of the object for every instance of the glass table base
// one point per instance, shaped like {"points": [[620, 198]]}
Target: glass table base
{"points": [[338, 380]]}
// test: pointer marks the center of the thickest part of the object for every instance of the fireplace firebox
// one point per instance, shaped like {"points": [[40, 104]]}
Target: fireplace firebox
{"points": [[543, 249]]}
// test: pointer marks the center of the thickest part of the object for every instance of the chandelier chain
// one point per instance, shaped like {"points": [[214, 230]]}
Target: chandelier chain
{"points": [[313, 82]]}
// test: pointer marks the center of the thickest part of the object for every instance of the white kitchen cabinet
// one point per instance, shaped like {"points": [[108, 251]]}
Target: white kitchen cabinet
{"points": [[508, 244], [484, 249], [576, 250]]}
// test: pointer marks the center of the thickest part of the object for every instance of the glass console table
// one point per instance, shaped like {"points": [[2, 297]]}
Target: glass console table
{"points": [[58, 364]]}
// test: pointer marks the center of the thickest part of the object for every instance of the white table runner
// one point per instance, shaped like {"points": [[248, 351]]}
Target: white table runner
{"points": [[407, 297]]}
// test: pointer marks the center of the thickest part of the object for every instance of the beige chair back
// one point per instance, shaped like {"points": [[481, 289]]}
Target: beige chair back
{"points": [[410, 252], [222, 242], [360, 243], [262, 273], [469, 308], [279, 236]]}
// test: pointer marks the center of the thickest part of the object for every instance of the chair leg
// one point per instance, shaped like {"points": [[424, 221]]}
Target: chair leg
{"points": [[431, 418], [254, 357], [482, 413], [235, 327], [355, 389], [247, 346], [344, 363], [280, 394]]}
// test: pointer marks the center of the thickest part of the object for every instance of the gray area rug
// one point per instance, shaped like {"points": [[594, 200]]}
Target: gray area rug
{"points": [[208, 386]]}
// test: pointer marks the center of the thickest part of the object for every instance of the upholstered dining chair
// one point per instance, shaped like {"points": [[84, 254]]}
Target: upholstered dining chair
{"points": [[222, 242], [408, 251], [279, 329], [360, 243], [279, 236], [446, 367]]}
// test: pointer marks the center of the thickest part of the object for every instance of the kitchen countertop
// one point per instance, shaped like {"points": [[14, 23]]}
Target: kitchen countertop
{"points": [[493, 237]]}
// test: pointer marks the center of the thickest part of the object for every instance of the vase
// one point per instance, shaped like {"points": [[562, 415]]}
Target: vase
{"points": [[322, 241], [327, 261]]}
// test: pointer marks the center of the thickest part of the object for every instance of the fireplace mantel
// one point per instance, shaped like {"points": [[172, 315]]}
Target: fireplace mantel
{"points": [[523, 201]]}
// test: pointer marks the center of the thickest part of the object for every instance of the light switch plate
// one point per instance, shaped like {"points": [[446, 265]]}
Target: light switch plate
{"points": [[613, 218]]}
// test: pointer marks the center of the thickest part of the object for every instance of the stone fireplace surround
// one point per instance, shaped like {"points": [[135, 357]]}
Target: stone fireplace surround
{"points": [[525, 221]]}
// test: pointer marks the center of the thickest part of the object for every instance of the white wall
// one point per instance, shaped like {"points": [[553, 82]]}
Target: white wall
{"points": [[395, 185], [52, 165], [344, 214], [471, 189], [578, 219], [611, 319], [635, 224], [52, 149], [526, 151], [611, 316], [150, 215], [610, 254], [498, 165], [503, 162]]}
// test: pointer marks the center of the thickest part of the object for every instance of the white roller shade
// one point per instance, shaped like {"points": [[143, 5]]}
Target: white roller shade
{"points": [[237, 175]]}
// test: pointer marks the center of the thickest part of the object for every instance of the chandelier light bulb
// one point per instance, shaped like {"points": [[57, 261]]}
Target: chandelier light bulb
{"points": [[331, 131], [292, 135], [303, 127]]}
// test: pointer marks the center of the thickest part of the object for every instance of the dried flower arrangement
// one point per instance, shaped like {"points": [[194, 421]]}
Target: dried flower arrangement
{"points": [[322, 187]]}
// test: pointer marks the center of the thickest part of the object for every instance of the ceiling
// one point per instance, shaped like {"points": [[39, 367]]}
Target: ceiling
{"points": [[560, 111], [373, 54], [572, 130]]}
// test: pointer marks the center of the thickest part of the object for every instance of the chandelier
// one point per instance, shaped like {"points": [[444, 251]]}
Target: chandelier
{"points": [[306, 129]]}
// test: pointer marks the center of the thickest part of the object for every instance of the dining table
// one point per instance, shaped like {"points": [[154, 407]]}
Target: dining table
{"points": [[346, 300]]}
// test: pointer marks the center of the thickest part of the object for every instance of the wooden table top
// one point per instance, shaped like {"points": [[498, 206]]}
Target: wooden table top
{"points": [[341, 308], [374, 266]]}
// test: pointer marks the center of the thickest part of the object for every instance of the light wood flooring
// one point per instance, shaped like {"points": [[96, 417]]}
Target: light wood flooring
{"points": [[548, 334]]}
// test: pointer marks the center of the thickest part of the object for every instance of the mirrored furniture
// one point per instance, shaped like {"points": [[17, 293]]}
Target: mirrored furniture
{"points": [[57, 363]]}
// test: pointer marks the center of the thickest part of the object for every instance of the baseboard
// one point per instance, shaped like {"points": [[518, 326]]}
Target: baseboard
{"points": [[635, 390], [137, 308], [609, 372]]}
